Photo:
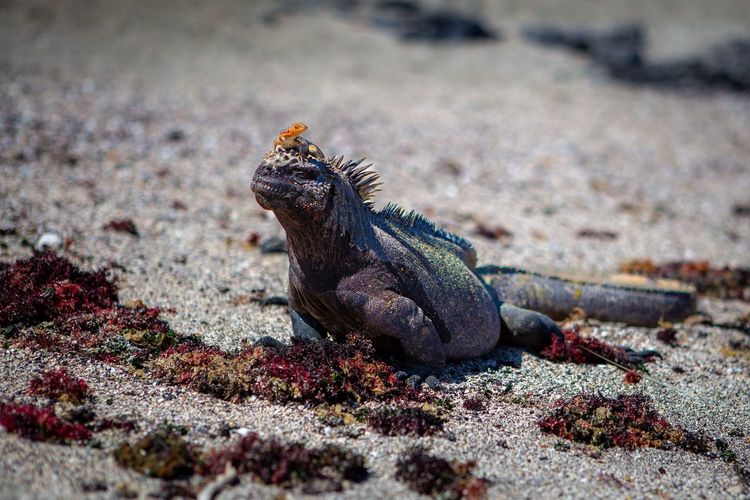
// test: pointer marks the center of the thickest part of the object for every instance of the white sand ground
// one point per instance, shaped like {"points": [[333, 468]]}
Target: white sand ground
{"points": [[505, 132]]}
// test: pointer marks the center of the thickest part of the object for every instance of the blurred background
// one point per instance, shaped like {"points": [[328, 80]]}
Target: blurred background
{"points": [[568, 135]]}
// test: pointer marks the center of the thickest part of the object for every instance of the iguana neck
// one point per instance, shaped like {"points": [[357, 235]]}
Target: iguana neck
{"points": [[323, 249]]}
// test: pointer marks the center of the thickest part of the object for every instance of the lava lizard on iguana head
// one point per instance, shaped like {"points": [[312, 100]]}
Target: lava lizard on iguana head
{"points": [[396, 277]]}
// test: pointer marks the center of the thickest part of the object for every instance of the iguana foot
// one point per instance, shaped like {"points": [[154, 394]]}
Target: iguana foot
{"points": [[637, 357], [526, 328]]}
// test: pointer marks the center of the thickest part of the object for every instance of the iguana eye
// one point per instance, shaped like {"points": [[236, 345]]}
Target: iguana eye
{"points": [[304, 174]]}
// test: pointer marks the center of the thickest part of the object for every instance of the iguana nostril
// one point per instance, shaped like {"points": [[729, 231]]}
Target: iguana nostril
{"points": [[266, 168]]}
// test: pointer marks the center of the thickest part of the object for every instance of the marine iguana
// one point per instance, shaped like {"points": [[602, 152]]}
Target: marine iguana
{"points": [[406, 283]]}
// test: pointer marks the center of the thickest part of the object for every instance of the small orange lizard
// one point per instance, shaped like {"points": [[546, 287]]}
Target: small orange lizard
{"points": [[288, 138], [291, 139]]}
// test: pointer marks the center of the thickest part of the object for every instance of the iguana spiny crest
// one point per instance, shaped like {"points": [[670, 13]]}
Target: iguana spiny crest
{"points": [[293, 152], [295, 168]]}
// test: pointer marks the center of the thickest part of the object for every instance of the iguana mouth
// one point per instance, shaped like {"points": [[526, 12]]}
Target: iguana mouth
{"points": [[268, 193]]}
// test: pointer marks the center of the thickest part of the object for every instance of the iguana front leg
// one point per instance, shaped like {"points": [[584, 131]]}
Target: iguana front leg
{"points": [[386, 313]]}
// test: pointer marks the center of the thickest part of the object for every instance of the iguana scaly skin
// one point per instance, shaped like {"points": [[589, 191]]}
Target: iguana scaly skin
{"points": [[404, 282]]}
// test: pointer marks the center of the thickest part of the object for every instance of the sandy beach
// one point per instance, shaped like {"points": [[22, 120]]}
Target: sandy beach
{"points": [[159, 113]]}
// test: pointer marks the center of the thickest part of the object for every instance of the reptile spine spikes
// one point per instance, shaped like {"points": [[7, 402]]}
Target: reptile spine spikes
{"points": [[415, 220], [364, 181]]}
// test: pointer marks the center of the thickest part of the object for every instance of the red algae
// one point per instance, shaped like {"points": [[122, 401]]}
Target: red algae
{"points": [[53, 305], [667, 335], [40, 424], [474, 403], [435, 476], [119, 335], [633, 377], [724, 282], [577, 349], [311, 371], [492, 232], [73, 421], [108, 423], [253, 239], [162, 453], [289, 466], [122, 226], [628, 421], [59, 386], [399, 421], [45, 287]]}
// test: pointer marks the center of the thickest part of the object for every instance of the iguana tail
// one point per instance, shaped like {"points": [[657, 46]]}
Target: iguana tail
{"points": [[558, 297]]}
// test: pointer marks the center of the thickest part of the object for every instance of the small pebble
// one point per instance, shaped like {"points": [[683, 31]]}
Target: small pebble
{"points": [[275, 300], [352, 432], [433, 383], [414, 381], [242, 431], [273, 244], [401, 375], [175, 135], [268, 341], [48, 241]]}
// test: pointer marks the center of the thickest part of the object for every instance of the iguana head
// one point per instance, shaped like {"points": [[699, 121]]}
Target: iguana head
{"points": [[295, 177]]}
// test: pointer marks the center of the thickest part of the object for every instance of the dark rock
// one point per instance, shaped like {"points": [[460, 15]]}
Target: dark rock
{"points": [[620, 51], [175, 135], [619, 46], [268, 341], [274, 300], [596, 234], [273, 244], [352, 432], [408, 20], [433, 383], [444, 26], [725, 452], [414, 381], [94, 486]]}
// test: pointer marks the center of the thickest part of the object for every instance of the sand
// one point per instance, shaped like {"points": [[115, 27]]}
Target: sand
{"points": [[506, 132]]}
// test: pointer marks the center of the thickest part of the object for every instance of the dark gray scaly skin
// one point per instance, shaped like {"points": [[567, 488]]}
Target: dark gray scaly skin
{"points": [[405, 283], [557, 297]]}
